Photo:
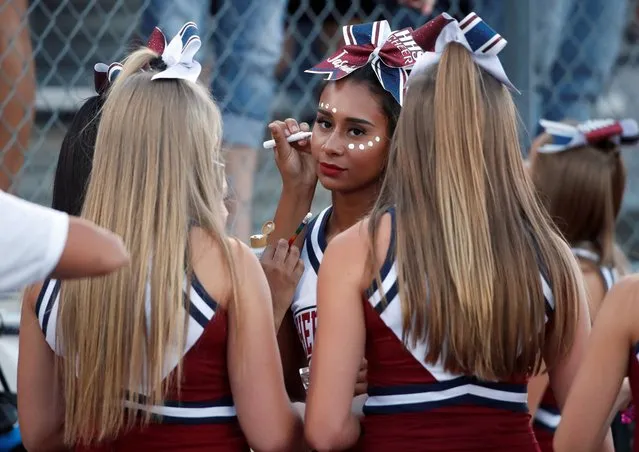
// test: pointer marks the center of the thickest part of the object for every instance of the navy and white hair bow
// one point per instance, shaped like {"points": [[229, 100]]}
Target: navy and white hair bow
{"points": [[474, 34], [565, 137], [178, 55], [104, 75], [390, 54]]}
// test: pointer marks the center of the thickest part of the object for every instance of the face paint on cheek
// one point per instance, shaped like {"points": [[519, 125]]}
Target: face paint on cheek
{"points": [[362, 147]]}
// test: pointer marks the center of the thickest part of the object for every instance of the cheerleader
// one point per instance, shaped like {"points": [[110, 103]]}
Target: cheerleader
{"points": [[579, 174], [176, 352], [457, 285], [356, 117]]}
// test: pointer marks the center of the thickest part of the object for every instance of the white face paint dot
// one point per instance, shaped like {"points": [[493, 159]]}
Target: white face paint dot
{"points": [[370, 144], [361, 147], [378, 139], [351, 146], [322, 105], [326, 105], [334, 110]]}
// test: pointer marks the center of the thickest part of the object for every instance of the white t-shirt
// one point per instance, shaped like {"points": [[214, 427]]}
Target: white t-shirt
{"points": [[32, 239]]}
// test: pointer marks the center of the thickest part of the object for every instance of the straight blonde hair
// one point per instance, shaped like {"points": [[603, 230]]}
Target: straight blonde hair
{"points": [[471, 235], [155, 173]]}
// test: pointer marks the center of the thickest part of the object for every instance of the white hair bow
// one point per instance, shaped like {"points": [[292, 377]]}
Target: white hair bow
{"points": [[566, 136], [178, 55], [474, 34]]}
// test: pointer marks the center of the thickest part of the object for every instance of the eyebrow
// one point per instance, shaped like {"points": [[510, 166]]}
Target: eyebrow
{"points": [[350, 119]]}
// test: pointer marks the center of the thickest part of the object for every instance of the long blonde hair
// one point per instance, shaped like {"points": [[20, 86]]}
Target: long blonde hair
{"points": [[155, 173], [471, 235]]}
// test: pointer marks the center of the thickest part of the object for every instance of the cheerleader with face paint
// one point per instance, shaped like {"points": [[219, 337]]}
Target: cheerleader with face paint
{"points": [[356, 116], [579, 174], [457, 285], [163, 354]]}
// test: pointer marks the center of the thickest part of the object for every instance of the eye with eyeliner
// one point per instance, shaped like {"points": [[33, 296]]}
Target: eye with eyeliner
{"points": [[354, 132]]}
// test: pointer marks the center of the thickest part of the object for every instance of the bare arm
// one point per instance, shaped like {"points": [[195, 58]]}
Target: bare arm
{"points": [[536, 388], [263, 408], [40, 399], [339, 343], [90, 251], [587, 412], [299, 180]]}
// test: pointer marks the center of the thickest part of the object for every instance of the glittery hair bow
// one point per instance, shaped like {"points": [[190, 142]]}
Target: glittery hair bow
{"points": [[390, 54], [565, 137], [104, 75], [474, 34], [178, 55]]}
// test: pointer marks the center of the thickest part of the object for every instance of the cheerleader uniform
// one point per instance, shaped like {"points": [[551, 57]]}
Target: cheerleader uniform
{"points": [[202, 417], [304, 304], [413, 405], [547, 416]]}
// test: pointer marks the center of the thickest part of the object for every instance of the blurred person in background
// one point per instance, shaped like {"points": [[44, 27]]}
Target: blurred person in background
{"points": [[580, 176], [613, 355], [142, 370], [17, 89], [575, 44]]}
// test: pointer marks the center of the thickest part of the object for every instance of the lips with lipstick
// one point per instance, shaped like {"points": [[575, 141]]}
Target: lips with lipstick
{"points": [[330, 170]]}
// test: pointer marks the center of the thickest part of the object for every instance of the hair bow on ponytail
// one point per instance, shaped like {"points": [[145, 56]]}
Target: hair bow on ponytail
{"points": [[178, 55], [390, 54], [104, 75], [474, 34], [566, 137]]}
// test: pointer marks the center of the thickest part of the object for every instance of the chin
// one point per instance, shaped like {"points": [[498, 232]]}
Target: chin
{"points": [[332, 184]]}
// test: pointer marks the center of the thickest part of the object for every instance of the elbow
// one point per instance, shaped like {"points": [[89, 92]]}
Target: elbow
{"points": [[325, 432], [281, 439]]}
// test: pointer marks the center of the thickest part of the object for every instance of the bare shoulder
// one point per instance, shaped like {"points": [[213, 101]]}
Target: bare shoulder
{"points": [[625, 294], [349, 251], [620, 309], [30, 296], [212, 263]]}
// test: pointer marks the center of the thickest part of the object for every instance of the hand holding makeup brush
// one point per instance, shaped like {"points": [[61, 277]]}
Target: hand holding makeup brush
{"points": [[294, 160]]}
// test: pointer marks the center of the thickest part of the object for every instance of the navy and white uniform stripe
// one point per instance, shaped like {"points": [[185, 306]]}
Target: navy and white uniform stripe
{"points": [[445, 388], [548, 415], [304, 304], [202, 309]]}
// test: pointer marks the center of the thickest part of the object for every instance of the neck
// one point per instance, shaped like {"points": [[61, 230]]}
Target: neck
{"points": [[349, 208]]}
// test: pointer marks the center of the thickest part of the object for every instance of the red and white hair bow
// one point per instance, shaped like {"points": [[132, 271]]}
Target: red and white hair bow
{"points": [[565, 137]]}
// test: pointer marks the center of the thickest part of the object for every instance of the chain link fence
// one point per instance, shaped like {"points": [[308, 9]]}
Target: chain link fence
{"points": [[48, 48]]}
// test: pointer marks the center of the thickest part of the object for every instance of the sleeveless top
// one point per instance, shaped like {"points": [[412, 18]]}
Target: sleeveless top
{"points": [[414, 405], [547, 416], [304, 304], [202, 416]]}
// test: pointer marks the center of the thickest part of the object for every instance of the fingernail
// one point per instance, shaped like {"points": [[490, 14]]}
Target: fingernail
{"points": [[287, 133], [295, 129]]}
